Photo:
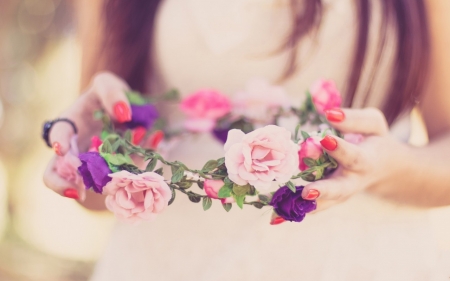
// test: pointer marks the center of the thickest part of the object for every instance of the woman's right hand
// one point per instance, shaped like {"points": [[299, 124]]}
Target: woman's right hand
{"points": [[107, 92]]}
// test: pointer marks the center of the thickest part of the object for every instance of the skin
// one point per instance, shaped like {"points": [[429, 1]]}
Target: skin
{"points": [[381, 165]]}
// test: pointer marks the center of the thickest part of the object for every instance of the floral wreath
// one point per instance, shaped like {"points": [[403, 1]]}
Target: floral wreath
{"points": [[124, 164]]}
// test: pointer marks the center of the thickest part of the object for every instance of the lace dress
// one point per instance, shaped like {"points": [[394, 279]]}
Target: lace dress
{"points": [[222, 44]]}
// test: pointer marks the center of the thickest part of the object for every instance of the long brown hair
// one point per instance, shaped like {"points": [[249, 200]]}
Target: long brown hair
{"points": [[129, 29]]}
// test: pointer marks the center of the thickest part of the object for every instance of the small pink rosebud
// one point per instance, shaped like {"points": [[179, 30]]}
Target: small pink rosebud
{"points": [[95, 144], [212, 188], [325, 95], [310, 148]]}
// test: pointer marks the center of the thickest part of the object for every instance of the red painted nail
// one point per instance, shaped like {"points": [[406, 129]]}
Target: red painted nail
{"points": [[277, 220], [312, 194], [335, 115], [329, 143], [71, 193], [122, 112], [57, 148], [138, 135], [155, 139]]}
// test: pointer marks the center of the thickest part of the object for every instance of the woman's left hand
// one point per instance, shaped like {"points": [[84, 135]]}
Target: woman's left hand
{"points": [[376, 161]]}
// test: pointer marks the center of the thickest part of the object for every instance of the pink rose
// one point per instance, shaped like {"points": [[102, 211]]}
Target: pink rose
{"points": [[212, 187], [67, 165], [261, 156], [95, 144], [260, 101], [310, 148], [353, 138], [203, 108], [136, 197], [325, 95]]}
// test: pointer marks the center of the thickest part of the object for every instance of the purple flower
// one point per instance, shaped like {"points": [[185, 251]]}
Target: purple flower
{"points": [[221, 134], [142, 116], [94, 170], [291, 206]]}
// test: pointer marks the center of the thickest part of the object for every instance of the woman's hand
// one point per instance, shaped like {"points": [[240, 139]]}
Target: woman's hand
{"points": [[378, 161], [107, 92]]}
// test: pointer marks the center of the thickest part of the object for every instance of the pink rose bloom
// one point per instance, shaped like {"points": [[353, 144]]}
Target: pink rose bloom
{"points": [[325, 95], [310, 148], [212, 187], [136, 197], [260, 157], [354, 138], [203, 108], [260, 101], [67, 165], [95, 144]]}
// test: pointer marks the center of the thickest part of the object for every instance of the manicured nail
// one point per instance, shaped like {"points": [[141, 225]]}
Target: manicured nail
{"points": [[312, 194], [329, 143], [277, 220], [122, 112], [71, 193], [57, 148], [138, 135], [335, 115], [155, 139]]}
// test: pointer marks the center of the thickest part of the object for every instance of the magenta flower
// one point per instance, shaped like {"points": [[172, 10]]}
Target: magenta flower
{"points": [[325, 95], [137, 197], [94, 170], [291, 206], [203, 108], [310, 148]]}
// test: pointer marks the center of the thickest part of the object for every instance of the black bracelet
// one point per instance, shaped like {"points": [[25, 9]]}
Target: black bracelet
{"points": [[48, 126]]}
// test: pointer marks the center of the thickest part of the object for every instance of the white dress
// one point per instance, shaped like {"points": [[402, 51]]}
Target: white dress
{"points": [[222, 44]]}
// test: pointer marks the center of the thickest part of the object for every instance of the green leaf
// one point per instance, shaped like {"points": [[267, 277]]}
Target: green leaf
{"points": [[334, 164], [225, 191], [207, 202], [104, 134], [151, 165], [264, 198], [309, 162], [116, 145], [305, 135], [106, 147], [319, 174], [179, 174], [227, 180], [251, 191], [173, 169], [135, 98], [240, 190], [296, 131], [173, 197], [291, 186], [239, 200], [258, 205], [210, 165], [127, 135], [172, 94], [194, 197], [200, 184], [220, 161], [159, 171], [117, 159], [184, 184], [227, 206]]}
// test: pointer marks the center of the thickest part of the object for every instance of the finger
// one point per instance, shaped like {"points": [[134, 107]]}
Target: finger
{"points": [[110, 91], [61, 186], [60, 136], [339, 188], [368, 121], [348, 155]]}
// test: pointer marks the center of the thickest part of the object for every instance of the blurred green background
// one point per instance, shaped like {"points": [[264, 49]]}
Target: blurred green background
{"points": [[44, 236]]}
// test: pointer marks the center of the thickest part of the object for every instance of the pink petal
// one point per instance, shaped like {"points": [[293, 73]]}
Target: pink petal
{"points": [[237, 179], [123, 200], [234, 136], [233, 158], [259, 152], [244, 174]]}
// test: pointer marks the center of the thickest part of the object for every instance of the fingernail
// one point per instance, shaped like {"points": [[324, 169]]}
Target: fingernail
{"points": [[71, 193], [329, 143], [312, 194], [156, 138], [277, 220], [334, 115], [122, 112], [57, 148], [138, 135]]}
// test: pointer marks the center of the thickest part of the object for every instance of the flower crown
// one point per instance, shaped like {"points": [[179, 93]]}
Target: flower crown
{"points": [[124, 162]]}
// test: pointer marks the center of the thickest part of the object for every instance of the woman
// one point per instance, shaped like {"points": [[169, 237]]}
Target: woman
{"points": [[378, 228]]}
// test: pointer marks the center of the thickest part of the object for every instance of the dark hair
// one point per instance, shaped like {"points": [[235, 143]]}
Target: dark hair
{"points": [[129, 29]]}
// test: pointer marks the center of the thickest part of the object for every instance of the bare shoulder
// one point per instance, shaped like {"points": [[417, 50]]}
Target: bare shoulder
{"points": [[435, 105]]}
